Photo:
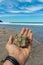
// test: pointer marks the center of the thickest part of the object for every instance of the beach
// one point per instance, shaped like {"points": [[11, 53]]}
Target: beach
{"points": [[4, 36], [36, 56]]}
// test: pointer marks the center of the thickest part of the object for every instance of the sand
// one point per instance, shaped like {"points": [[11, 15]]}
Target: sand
{"points": [[36, 57]]}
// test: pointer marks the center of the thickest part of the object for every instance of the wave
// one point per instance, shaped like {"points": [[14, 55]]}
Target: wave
{"points": [[22, 23]]}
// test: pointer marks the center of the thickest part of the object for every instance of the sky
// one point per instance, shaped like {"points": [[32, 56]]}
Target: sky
{"points": [[21, 10]]}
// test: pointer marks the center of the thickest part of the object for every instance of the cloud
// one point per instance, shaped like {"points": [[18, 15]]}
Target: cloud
{"points": [[34, 8], [25, 0], [7, 15], [10, 15], [41, 14], [27, 9], [13, 11], [13, 7], [28, 0], [1, 1], [40, 0], [23, 11]]}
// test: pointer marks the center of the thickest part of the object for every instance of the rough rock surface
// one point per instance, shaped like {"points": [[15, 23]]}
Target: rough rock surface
{"points": [[21, 40]]}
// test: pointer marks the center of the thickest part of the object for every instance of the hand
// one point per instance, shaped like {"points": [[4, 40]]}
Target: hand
{"points": [[20, 54]]}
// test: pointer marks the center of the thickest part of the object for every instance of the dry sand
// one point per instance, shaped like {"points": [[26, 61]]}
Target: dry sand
{"points": [[36, 57]]}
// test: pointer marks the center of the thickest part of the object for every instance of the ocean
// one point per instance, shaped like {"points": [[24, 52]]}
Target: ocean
{"points": [[36, 29]]}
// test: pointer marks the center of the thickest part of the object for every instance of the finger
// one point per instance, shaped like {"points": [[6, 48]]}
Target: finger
{"points": [[30, 35], [22, 31], [10, 40], [26, 32]]}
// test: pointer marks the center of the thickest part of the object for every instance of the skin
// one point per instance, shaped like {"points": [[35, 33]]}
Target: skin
{"points": [[20, 54]]}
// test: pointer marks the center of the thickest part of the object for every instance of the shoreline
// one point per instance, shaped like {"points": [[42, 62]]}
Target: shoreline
{"points": [[15, 23]]}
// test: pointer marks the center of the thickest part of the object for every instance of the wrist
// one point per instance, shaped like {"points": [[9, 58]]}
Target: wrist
{"points": [[21, 62], [7, 62], [12, 60]]}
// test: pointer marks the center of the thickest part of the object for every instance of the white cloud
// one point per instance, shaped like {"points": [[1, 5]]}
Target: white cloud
{"points": [[34, 8], [13, 11], [25, 0], [40, 0], [7, 15], [23, 11], [27, 9], [1, 1], [28, 0]]}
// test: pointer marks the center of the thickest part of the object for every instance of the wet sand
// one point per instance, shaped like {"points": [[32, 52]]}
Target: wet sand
{"points": [[36, 57]]}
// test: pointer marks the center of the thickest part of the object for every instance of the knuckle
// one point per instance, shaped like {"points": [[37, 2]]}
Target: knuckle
{"points": [[27, 29], [30, 31], [23, 28]]}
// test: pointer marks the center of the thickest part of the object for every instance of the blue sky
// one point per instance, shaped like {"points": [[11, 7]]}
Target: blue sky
{"points": [[21, 10]]}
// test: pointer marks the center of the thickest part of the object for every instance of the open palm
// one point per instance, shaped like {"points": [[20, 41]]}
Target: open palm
{"points": [[20, 54]]}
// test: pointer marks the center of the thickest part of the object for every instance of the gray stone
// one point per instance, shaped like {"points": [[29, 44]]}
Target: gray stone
{"points": [[21, 40]]}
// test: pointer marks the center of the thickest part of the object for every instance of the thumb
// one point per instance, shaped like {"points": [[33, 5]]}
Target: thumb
{"points": [[11, 39]]}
